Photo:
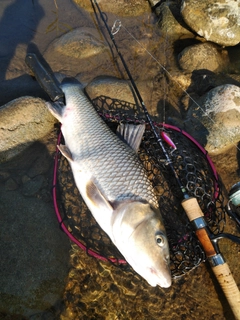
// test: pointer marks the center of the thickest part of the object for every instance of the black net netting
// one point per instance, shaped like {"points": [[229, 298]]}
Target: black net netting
{"points": [[192, 166]]}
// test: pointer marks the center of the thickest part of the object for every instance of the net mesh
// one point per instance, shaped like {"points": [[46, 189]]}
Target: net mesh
{"points": [[192, 166]]}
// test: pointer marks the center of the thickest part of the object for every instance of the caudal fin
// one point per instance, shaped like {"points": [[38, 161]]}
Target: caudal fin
{"points": [[56, 109]]}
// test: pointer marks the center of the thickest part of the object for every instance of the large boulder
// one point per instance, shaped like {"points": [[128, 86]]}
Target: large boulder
{"points": [[215, 21], [23, 121], [214, 119]]}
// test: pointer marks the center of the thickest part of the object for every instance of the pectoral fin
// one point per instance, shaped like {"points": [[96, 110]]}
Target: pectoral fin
{"points": [[131, 134], [96, 198], [65, 152]]}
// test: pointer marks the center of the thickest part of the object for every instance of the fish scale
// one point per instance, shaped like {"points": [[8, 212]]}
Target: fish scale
{"points": [[115, 167], [108, 173]]}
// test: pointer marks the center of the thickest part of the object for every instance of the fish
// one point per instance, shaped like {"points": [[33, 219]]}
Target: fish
{"points": [[114, 184]]}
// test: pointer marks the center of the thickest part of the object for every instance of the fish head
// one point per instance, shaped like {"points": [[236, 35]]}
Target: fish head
{"points": [[140, 235]]}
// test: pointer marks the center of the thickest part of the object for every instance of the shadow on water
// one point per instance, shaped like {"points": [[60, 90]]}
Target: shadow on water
{"points": [[17, 27]]}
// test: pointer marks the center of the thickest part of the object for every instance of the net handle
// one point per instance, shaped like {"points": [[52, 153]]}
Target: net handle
{"points": [[219, 267]]}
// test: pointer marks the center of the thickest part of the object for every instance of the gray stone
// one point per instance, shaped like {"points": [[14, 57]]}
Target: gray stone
{"points": [[214, 119], [23, 121], [194, 58], [32, 186], [218, 22], [110, 87], [120, 90], [80, 43], [169, 17], [78, 51], [11, 184]]}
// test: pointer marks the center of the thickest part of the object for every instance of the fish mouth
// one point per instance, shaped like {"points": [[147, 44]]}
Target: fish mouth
{"points": [[164, 281]]}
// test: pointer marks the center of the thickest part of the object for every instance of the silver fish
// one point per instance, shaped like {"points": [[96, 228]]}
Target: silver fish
{"points": [[114, 185]]}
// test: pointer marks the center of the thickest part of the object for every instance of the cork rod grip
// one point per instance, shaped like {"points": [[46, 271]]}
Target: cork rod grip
{"points": [[192, 208], [221, 271], [229, 287]]}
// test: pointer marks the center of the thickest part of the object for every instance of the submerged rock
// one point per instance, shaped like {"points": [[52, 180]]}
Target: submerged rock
{"points": [[215, 21], [194, 58], [77, 52], [121, 91], [214, 120], [23, 121], [79, 43], [111, 87], [34, 251], [131, 8]]}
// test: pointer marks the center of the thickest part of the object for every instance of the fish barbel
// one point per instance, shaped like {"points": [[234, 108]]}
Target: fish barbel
{"points": [[114, 185]]}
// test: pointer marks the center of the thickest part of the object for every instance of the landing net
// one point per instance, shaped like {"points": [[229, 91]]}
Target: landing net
{"points": [[194, 168]]}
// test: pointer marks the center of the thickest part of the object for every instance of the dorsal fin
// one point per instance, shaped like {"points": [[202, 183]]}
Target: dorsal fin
{"points": [[131, 134]]}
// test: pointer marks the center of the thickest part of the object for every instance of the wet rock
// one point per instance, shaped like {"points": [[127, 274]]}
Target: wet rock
{"points": [[79, 51], [120, 90], [234, 57], [80, 43], [204, 80], [39, 166], [32, 186], [194, 58], [4, 175], [130, 8], [110, 87], [171, 23], [215, 21], [214, 120], [11, 184], [23, 121]]}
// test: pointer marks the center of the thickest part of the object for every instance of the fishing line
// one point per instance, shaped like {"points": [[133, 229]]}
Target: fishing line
{"points": [[159, 140], [190, 203], [167, 72]]}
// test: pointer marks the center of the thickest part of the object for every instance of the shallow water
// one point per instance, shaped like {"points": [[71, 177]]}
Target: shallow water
{"points": [[97, 290]]}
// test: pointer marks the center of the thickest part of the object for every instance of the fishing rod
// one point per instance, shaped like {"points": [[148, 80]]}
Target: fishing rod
{"points": [[189, 204]]}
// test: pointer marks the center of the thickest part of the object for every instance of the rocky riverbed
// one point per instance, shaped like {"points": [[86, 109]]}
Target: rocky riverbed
{"points": [[185, 62]]}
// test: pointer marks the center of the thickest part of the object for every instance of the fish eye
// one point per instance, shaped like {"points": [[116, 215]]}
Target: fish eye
{"points": [[160, 240]]}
